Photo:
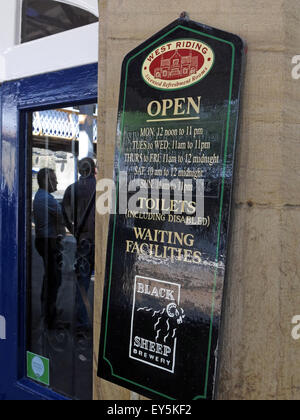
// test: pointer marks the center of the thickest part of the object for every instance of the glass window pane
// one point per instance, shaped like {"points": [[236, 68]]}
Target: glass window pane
{"points": [[62, 178], [48, 17]]}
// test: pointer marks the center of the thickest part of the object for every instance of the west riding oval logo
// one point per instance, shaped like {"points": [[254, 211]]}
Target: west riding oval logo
{"points": [[178, 64]]}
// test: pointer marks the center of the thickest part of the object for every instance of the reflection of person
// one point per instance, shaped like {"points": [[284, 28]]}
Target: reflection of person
{"points": [[79, 214], [49, 228]]}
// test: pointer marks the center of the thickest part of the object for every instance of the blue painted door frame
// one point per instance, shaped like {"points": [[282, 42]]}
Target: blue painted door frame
{"points": [[63, 88]]}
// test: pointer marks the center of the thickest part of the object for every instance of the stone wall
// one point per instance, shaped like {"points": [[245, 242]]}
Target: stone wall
{"points": [[259, 357]]}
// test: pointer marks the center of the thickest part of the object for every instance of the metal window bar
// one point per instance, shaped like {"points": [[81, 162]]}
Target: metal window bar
{"points": [[60, 124]]}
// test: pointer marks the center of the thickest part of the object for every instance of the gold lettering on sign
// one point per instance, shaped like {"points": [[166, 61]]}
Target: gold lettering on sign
{"points": [[175, 107]]}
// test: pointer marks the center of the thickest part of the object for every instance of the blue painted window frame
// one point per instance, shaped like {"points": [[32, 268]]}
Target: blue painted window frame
{"points": [[17, 99]]}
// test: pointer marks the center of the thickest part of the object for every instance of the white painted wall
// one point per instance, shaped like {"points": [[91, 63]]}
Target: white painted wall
{"points": [[68, 49], [9, 14], [57, 52]]}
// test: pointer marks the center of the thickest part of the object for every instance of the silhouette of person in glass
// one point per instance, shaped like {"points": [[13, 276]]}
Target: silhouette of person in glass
{"points": [[79, 213], [50, 230]]}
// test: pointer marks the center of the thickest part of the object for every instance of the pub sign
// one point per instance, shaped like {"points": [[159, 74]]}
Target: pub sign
{"points": [[166, 258]]}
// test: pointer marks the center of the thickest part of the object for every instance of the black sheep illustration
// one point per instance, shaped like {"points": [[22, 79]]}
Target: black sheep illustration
{"points": [[166, 322]]}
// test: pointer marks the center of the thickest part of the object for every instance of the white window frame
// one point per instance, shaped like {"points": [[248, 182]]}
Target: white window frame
{"points": [[88, 5]]}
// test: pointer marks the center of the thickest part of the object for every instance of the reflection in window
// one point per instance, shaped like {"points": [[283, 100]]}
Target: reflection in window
{"points": [[62, 179], [42, 18]]}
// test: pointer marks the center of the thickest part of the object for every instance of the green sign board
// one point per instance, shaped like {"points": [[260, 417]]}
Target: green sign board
{"points": [[165, 273], [38, 368]]}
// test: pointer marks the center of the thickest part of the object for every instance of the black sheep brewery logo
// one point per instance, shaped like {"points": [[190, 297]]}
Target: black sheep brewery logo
{"points": [[178, 64], [156, 320]]}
